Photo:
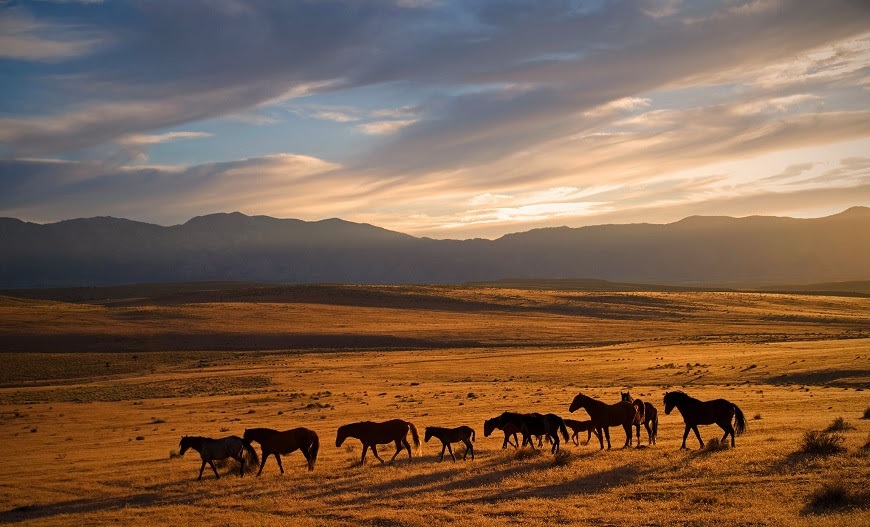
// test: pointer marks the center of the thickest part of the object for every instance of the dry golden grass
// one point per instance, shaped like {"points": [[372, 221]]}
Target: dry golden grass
{"points": [[798, 361]]}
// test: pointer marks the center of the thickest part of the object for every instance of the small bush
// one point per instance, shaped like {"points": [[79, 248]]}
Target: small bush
{"points": [[866, 446], [866, 413], [562, 458], [838, 495], [757, 417], [157, 421], [174, 454], [824, 443], [526, 453], [839, 425], [714, 445], [140, 438]]}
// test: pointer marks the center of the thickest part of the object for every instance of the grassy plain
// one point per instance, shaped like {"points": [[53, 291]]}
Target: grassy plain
{"points": [[95, 395]]}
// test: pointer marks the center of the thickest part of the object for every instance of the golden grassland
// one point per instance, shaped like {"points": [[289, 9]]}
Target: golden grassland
{"points": [[94, 398]]}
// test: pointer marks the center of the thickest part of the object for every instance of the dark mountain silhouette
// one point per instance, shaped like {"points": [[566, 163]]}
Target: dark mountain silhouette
{"points": [[724, 251]]}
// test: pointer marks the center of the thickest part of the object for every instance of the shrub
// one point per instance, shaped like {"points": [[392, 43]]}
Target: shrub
{"points": [[174, 454], [562, 458], [838, 495], [824, 443], [140, 438], [839, 425], [757, 417], [714, 445], [526, 453], [866, 413]]}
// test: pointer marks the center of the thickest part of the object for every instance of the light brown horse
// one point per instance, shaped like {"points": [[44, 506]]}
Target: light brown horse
{"points": [[646, 415], [581, 426], [372, 434], [275, 443], [606, 415], [211, 450]]}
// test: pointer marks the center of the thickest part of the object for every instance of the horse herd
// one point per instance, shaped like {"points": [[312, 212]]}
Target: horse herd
{"points": [[626, 413]]}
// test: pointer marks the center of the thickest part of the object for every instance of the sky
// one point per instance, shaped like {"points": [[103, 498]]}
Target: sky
{"points": [[439, 118]]}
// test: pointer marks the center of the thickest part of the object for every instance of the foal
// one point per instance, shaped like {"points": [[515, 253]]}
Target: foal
{"points": [[464, 434], [581, 426]]}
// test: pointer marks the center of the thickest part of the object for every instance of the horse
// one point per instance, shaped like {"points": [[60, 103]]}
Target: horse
{"points": [[452, 435], [646, 414], [372, 434], [217, 449], [275, 443], [695, 412], [581, 426], [606, 415], [509, 431], [535, 424]]}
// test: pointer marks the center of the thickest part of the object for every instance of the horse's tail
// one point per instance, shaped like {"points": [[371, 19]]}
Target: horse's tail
{"points": [[415, 436], [739, 420], [252, 454], [312, 450], [563, 429], [655, 425]]}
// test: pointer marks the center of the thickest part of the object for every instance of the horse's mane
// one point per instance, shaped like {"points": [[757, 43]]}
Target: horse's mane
{"points": [[679, 396]]}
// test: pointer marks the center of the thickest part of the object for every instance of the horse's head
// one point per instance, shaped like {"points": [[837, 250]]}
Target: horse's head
{"points": [[670, 402], [626, 396], [489, 425], [428, 434], [184, 445], [341, 435], [578, 402]]}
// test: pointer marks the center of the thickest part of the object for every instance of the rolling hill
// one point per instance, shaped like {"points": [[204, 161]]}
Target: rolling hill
{"points": [[699, 250]]}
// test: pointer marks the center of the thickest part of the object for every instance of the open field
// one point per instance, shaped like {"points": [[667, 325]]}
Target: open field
{"points": [[83, 382]]}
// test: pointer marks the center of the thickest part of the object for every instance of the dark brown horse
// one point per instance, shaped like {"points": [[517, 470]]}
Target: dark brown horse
{"points": [[509, 431], [464, 434], [211, 450], [648, 415], [695, 412], [606, 415], [275, 443], [581, 426], [535, 424], [372, 434]]}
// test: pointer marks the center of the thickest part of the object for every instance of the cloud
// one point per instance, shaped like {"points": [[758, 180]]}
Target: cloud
{"points": [[384, 127], [153, 139], [22, 37]]}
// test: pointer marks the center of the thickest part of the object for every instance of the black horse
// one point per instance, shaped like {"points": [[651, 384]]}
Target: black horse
{"points": [[533, 424], [695, 412]]}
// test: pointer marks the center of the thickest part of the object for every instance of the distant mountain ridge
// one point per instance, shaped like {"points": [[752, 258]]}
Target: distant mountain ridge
{"points": [[725, 251]]}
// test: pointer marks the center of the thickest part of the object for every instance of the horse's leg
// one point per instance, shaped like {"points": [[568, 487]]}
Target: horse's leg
{"points": [[399, 448], [637, 429], [601, 438], [505, 443], [375, 452], [685, 435], [407, 445], [278, 459], [443, 448], [263, 462], [648, 433], [540, 441], [363, 460], [555, 444], [607, 435], [516, 443], [468, 448], [241, 459], [214, 468], [200, 470], [450, 449], [698, 435]]}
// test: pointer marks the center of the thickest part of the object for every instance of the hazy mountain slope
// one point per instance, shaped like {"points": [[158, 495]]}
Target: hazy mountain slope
{"points": [[720, 250]]}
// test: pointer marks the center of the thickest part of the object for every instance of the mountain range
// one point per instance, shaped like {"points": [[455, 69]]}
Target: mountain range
{"points": [[699, 250]]}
